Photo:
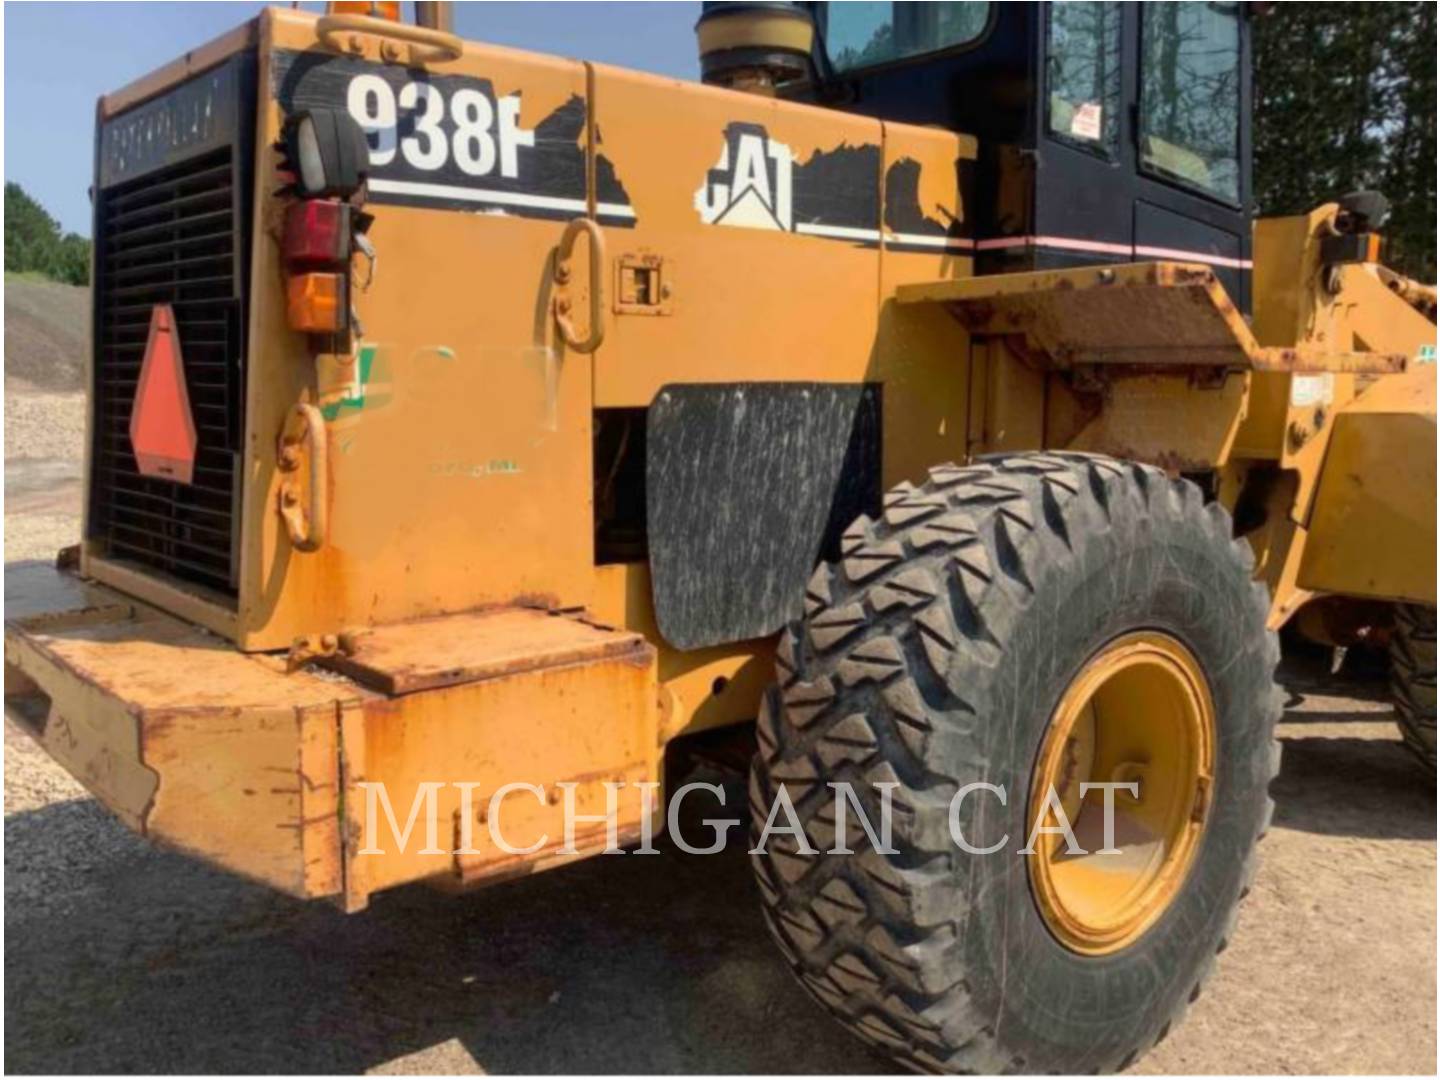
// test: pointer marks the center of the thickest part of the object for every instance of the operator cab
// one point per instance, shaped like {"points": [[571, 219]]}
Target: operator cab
{"points": [[1109, 132]]}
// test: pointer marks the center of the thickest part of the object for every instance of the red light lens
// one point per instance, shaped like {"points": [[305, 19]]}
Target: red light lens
{"points": [[317, 231]]}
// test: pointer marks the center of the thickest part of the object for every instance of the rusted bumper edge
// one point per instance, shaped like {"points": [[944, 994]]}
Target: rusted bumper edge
{"points": [[188, 741], [271, 775]]}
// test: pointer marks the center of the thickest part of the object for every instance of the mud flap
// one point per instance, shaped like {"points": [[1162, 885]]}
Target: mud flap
{"points": [[748, 484]]}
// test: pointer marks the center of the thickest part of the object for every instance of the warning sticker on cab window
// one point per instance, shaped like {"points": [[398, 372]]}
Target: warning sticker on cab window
{"points": [[1312, 390], [1085, 124]]}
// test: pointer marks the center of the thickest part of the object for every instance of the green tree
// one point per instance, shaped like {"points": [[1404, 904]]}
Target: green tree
{"points": [[1345, 100], [1410, 163], [34, 242], [72, 260]]}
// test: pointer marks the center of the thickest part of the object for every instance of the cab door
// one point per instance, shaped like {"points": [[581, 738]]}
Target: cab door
{"points": [[1082, 212], [1143, 137], [1192, 139]]}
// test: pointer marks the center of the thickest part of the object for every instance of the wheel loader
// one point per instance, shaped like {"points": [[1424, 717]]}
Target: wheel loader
{"points": [[469, 429]]}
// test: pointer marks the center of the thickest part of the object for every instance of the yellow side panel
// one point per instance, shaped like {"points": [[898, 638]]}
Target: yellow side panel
{"points": [[460, 435], [716, 178], [1372, 532], [769, 219], [922, 355]]}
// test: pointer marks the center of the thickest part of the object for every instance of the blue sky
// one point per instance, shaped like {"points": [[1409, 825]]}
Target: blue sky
{"points": [[60, 57]]}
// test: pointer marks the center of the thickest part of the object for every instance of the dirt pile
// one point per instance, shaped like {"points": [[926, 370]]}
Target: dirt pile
{"points": [[47, 334]]}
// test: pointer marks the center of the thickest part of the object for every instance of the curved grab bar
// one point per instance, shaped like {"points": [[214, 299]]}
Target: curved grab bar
{"points": [[307, 531], [427, 46], [597, 285]]}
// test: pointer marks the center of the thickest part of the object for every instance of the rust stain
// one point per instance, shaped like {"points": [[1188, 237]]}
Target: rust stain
{"points": [[490, 644]]}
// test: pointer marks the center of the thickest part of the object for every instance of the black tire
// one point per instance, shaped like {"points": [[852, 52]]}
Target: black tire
{"points": [[933, 655], [1412, 678]]}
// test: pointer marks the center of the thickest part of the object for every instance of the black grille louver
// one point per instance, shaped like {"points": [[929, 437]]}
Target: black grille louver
{"points": [[175, 235]]}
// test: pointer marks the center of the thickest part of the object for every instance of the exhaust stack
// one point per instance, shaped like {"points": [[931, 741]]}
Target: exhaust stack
{"points": [[754, 46]]}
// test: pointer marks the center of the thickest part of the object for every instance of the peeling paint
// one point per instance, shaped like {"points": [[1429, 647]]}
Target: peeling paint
{"points": [[476, 470], [365, 390]]}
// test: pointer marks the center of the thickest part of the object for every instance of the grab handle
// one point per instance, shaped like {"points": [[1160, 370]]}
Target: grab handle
{"points": [[427, 46], [564, 274], [307, 530]]}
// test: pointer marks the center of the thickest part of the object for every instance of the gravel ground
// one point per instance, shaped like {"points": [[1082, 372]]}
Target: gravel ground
{"points": [[44, 434], [43, 427], [123, 958]]}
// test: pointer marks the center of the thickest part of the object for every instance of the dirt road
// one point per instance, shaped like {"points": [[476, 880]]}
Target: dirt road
{"points": [[123, 958]]}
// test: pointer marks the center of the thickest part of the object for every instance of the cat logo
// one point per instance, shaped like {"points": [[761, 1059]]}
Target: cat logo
{"points": [[751, 187], [830, 194]]}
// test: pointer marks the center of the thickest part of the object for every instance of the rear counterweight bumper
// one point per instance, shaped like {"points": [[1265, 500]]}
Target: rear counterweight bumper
{"points": [[267, 773]]}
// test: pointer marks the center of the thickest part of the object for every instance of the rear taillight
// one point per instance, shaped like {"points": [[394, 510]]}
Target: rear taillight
{"points": [[325, 162], [316, 248], [317, 232]]}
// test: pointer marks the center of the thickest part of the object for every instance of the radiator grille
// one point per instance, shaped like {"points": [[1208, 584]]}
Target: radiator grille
{"points": [[173, 236]]}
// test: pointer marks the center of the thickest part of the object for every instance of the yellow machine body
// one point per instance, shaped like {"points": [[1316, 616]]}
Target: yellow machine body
{"points": [[455, 625]]}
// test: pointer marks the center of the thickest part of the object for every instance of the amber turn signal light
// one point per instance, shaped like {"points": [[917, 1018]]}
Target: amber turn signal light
{"points": [[385, 9], [317, 303]]}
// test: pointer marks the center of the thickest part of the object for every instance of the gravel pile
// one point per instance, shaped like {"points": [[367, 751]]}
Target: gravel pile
{"points": [[47, 332], [43, 425]]}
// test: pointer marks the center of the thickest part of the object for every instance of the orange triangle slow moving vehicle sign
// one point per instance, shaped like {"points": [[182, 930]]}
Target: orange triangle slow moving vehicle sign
{"points": [[162, 429]]}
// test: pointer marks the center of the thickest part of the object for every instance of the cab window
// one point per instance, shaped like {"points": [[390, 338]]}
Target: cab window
{"points": [[1082, 60], [1190, 95], [862, 35]]}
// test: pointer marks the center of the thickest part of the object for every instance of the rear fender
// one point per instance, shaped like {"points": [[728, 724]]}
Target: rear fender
{"points": [[1372, 528]]}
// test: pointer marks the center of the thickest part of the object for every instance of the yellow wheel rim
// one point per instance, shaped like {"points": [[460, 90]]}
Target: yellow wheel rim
{"points": [[1140, 710]]}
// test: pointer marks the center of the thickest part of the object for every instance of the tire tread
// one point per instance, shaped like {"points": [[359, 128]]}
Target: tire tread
{"points": [[1412, 679], [949, 566]]}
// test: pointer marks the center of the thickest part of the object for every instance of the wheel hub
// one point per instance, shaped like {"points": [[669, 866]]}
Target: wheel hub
{"points": [[1140, 710]]}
